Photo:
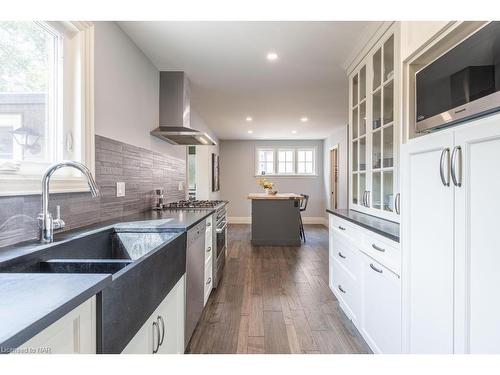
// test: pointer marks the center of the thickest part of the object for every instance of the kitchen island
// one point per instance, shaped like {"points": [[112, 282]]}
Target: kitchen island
{"points": [[275, 219]]}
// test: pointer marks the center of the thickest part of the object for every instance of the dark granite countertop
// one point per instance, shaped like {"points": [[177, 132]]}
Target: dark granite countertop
{"points": [[29, 303], [386, 228]]}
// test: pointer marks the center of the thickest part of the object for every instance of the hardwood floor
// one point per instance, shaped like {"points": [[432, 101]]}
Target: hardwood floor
{"points": [[275, 300]]}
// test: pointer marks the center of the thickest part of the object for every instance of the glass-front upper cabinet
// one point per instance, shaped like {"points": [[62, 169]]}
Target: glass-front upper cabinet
{"points": [[374, 134], [358, 134]]}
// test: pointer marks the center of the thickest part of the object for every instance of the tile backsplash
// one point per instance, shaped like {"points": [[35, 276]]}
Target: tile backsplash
{"points": [[141, 170]]}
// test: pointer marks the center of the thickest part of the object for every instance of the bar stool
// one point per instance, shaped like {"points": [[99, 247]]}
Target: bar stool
{"points": [[302, 208]]}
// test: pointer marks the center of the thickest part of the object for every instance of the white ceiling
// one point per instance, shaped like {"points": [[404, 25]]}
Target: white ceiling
{"points": [[232, 79]]}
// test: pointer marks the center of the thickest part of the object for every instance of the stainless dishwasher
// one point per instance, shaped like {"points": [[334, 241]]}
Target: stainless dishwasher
{"points": [[195, 278]]}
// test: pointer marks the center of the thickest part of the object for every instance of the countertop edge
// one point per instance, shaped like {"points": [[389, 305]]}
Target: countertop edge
{"points": [[366, 226], [53, 316]]}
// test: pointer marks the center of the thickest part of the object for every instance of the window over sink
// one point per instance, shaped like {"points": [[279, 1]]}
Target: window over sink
{"points": [[46, 103]]}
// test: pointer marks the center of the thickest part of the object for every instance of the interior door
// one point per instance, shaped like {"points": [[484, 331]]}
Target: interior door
{"points": [[427, 245], [334, 169], [477, 206]]}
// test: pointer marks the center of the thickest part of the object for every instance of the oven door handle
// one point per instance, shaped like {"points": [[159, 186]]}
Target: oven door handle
{"points": [[221, 229]]}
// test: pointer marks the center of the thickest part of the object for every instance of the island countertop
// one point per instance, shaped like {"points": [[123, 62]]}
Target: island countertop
{"points": [[278, 196]]}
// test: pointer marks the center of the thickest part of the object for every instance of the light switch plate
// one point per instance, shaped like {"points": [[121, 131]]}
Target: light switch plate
{"points": [[181, 186], [120, 189]]}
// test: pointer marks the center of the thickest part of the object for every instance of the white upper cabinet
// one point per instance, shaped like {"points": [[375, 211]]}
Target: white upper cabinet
{"points": [[374, 130]]}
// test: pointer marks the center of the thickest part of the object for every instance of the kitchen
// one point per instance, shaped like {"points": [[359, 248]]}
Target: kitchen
{"points": [[160, 195]]}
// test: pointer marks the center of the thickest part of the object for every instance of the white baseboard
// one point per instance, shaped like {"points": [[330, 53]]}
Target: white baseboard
{"points": [[305, 219]]}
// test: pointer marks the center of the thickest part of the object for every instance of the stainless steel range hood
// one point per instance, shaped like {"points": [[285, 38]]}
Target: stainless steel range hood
{"points": [[175, 113]]}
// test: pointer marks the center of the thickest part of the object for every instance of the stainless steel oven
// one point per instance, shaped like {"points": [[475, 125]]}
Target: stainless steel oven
{"points": [[221, 243]]}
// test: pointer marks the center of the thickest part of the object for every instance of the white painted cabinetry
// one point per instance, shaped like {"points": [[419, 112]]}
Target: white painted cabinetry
{"points": [[450, 241], [74, 333], [209, 245], [366, 282], [163, 332]]}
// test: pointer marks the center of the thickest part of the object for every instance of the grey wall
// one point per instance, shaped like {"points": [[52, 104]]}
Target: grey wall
{"points": [[126, 91], [237, 163], [337, 138], [142, 170]]}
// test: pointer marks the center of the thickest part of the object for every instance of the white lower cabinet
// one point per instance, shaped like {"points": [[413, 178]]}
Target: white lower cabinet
{"points": [[365, 282], [163, 332], [381, 325], [74, 333], [450, 240]]}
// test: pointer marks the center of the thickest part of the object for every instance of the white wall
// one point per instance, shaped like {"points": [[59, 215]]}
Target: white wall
{"points": [[339, 138], [237, 164], [204, 161], [126, 91]]}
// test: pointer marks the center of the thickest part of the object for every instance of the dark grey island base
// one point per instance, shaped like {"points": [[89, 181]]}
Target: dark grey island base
{"points": [[275, 222], [386, 228]]}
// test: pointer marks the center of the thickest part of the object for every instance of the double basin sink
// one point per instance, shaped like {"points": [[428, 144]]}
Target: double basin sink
{"points": [[145, 266]]}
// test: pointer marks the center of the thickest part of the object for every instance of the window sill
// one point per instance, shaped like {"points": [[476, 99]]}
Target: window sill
{"points": [[288, 175], [32, 185]]}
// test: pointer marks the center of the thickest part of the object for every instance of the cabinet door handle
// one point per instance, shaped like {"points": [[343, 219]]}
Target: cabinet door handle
{"points": [[363, 201], [378, 248], [445, 178], [160, 320], [209, 224], [342, 255], [368, 198], [397, 203], [341, 228], [209, 249], [156, 344], [375, 268], [209, 280], [340, 288], [457, 153]]}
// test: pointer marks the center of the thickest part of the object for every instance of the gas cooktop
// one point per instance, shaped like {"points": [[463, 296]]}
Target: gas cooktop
{"points": [[195, 204]]}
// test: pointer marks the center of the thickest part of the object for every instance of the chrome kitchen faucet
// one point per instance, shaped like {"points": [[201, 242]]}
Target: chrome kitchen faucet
{"points": [[45, 221]]}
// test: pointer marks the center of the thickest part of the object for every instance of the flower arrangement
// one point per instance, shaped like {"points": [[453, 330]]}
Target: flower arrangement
{"points": [[267, 185]]}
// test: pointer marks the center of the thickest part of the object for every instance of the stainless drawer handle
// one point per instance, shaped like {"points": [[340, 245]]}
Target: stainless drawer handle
{"points": [[209, 281], [378, 248], [340, 288], [342, 255], [209, 249], [341, 228], [375, 268]]}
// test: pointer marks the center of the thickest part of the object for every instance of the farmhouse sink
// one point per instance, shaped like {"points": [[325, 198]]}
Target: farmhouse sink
{"points": [[78, 266]]}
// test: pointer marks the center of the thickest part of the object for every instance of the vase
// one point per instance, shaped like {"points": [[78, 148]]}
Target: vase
{"points": [[268, 191]]}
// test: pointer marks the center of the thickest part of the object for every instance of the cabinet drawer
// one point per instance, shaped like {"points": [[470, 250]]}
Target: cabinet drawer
{"points": [[383, 251], [346, 255], [346, 288], [342, 227], [208, 281], [381, 314]]}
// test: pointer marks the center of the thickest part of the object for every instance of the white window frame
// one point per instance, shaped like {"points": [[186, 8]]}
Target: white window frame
{"points": [[257, 160], [314, 156], [294, 169], [295, 150], [77, 84]]}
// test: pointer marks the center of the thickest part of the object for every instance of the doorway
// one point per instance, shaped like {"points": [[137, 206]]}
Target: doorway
{"points": [[334, 177]]}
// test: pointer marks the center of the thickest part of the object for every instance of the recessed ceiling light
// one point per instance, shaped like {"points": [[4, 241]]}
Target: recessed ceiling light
{"points": [[249, 119], [272, 56], [250, 131], [304, 119], [294, 131]]}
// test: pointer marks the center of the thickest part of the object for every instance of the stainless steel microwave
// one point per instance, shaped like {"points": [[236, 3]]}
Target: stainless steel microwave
{"points": [[461, 84]]}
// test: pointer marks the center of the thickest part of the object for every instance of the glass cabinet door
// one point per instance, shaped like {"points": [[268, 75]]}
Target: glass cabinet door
{"points": [[382, 147], [358, 135]]}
